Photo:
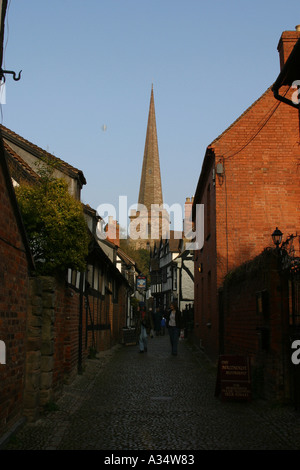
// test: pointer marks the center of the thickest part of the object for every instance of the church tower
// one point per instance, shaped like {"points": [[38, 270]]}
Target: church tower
{"points": [[148, 223]]}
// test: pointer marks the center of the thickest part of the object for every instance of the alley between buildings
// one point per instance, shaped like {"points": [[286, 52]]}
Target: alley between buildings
{"points": [[125, 400]]}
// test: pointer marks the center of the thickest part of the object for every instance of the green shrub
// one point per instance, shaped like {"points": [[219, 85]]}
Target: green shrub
{"points": [[55, 226]]}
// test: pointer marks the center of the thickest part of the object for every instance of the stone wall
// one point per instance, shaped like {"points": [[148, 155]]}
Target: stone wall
{"points": [[52, 343], [54, 354], [40, 347]]}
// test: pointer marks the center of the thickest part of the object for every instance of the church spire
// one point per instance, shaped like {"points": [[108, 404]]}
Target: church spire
{"points": [[148, 226], [150, 185]]}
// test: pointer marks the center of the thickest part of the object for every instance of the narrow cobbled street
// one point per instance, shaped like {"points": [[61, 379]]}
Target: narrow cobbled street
{"points": [[155, 401]]}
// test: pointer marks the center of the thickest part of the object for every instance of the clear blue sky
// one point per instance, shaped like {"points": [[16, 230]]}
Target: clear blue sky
{"points": [[89, 64]]}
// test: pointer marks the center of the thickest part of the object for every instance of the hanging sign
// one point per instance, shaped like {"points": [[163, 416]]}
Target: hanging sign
{"points": [[233, 378], [141, 282]]}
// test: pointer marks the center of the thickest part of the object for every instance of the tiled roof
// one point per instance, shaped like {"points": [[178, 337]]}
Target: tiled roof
{"points": [[125, 257], [92, 212], [173, 241], [40, 153], [14, 159]]}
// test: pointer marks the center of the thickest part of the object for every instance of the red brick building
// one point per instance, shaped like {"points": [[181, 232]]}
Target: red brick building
{"points": [[15, 267], [249, 185]]}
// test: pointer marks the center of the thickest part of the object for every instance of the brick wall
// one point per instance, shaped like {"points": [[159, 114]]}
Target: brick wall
{"points": [[261, 186], [205, 272], [67, 314], [256, 323], [13, 307]]}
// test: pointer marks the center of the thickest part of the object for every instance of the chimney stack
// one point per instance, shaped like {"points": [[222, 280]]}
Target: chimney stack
{"points": [[112, 230], [286, 44], [187, 222]]}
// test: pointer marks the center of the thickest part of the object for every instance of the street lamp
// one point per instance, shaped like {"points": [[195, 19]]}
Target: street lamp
{"points": [[277, 237]]}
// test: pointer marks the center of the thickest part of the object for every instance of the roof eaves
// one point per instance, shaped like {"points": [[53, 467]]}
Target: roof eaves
{"points": [[125, 257], [19, 161], [40, 153], [96, 248]]}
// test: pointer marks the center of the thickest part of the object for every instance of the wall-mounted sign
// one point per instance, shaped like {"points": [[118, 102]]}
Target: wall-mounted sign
{"points": [[233, 378]]}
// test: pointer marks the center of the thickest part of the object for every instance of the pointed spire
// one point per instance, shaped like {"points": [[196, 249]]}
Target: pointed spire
{"points": [[150, 185]]}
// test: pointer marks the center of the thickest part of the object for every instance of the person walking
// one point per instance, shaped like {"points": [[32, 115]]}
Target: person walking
{"points": [[144, 325], [174, 326]]}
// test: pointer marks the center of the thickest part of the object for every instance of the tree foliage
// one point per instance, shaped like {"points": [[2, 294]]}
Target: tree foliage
{"points": [[140, 256], [55, 226]]}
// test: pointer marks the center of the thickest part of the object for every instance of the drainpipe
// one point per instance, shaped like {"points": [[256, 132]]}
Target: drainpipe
{"points": [[79, 366], [283, 99]]}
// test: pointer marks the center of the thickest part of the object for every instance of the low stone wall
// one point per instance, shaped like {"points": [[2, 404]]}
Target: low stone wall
{"points": [[56, 320], [52, 343], [40, 346]]}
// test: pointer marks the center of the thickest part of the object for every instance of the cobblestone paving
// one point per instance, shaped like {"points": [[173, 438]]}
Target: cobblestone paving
{"points": [[155, 401]]}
